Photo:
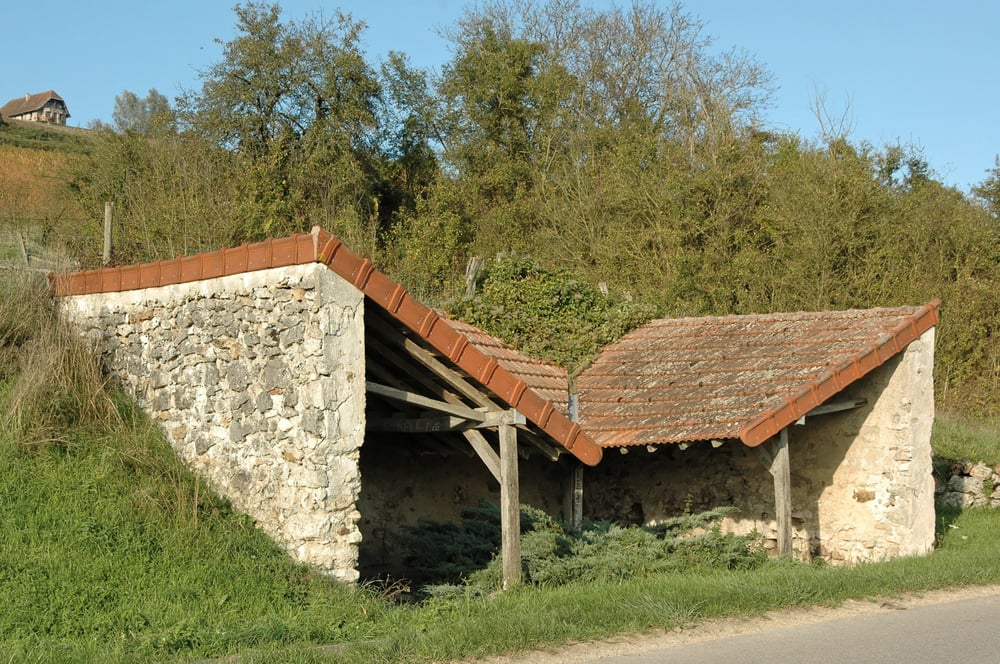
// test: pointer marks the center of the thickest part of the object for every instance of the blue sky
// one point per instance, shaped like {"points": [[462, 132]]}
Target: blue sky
{"points": [[904, 71]]}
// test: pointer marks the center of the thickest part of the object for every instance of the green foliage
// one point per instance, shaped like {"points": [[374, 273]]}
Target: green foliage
{"points": [[548, 314], [955, 439], [553, 554], [295, 104]]}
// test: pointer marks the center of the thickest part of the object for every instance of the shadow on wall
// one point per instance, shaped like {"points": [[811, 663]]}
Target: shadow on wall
{"points": [[408, 479]]}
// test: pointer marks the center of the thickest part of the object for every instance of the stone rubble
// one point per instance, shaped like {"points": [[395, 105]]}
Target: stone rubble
{"points": [[970, 485]]}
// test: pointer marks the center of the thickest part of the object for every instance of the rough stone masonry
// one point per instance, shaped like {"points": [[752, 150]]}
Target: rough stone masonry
{"points": [[258, 380]]}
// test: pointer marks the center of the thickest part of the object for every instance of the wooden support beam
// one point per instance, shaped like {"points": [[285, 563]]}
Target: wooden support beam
{"points": [[510, 508], [428, 360], [433, 404], [403, 424], [781, 470], [834, 407], [486, 453], [773, 455], [577, 496]]}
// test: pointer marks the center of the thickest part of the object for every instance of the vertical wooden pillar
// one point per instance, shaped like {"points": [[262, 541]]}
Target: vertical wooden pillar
{"points": [[510, 507], [781, 470], [106, 255]]}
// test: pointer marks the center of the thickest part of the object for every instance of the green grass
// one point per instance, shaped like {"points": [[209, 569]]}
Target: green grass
{"points": [[40, 136], [111, 551], [955, 439]]}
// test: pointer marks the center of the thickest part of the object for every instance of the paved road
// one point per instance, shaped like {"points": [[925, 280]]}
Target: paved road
{"points": [[964, 631]]}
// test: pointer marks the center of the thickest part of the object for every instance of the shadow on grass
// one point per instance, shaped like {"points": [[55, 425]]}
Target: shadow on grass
{"points": [[945, 517]]}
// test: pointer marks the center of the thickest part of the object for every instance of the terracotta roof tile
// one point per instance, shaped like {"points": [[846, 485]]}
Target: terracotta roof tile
{"points": [[534, 388], [547, 379], [743, 377]]}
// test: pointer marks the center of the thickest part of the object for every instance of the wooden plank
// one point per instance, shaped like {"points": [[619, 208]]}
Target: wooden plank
{"points": [[485, 451], [835, 407], [781, 470], [385, 353], [578, 496], [429, 361], [510, 509], [404, 424], [433, 404]]}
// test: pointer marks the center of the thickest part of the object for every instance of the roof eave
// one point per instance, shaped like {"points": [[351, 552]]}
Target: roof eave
{"points": [[814, 393], [397, 302]]}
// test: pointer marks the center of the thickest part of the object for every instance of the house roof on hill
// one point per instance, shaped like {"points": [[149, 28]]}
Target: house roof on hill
{"points": [[29, 103], [744, 377], [538, 390]]}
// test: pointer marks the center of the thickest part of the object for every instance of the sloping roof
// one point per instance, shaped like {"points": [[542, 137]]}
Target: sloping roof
{"points": [[744, 377], [30, 103], [549, 380], [510, 378]]}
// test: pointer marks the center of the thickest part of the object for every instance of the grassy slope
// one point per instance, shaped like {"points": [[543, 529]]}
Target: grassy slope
{"points": [[110, 550], [105, 556], [35, 167]]}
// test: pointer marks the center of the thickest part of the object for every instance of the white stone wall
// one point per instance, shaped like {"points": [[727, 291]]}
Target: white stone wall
{"points": [[258, 380], [880, 503]]}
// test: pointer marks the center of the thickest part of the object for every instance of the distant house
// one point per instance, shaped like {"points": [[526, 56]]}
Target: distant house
{"points": [[41, 107]]}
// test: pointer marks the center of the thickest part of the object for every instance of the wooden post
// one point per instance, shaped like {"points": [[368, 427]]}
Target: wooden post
{"points": [[781, 470], [510, 508], [578, 496], [24, 248], [106, 256], [472, 269]]}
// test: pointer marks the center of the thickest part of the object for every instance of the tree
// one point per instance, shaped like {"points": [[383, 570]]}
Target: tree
{"points": [[148, 115], [988, 191], [296, 102]]}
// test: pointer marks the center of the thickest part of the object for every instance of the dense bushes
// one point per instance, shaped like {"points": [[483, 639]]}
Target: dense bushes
{"points": [[550, 314]]}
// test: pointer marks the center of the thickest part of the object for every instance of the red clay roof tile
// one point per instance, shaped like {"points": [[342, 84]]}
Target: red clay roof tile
{"points": [[536, 389], [743, 377]]}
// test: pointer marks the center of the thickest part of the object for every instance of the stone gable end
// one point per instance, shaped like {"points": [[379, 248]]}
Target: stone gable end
{"points": [[258, 381]]}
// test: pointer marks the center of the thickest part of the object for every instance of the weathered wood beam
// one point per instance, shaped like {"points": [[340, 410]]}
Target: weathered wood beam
{"points": [[773, 455], [485, 451], [428, 360], [428, 424], [433, 404], [510, 508], [404, 366], [781, 471], [551, 452], [834, 407]]}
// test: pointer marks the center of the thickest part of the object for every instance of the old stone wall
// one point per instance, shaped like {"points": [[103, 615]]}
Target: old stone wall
{"points": [[258, 380], [862, 484], [970, 484]]}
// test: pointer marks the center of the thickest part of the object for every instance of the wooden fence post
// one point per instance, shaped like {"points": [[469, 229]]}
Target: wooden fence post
{"points": [[106, 256]]}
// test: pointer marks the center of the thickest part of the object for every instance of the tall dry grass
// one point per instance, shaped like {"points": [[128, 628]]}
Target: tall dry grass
{"points": [[50, 378]]}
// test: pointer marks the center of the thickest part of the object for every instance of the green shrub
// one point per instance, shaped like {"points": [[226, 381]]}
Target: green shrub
{"points": [[549, 314], [554, 554]]}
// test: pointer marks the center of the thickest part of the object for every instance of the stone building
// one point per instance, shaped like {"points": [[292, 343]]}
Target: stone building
{"points": [[333, 408], [45, 107]]}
